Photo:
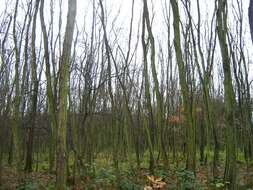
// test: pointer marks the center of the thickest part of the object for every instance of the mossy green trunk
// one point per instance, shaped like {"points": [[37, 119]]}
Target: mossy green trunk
{"points": [[49, 90], [190, 124], [34, 98], [149, 120], [61, 149], [17, 99], [230, 165], [160, 113]]}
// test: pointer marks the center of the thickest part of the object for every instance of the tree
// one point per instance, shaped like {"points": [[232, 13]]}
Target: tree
{"points": [[204, 68], [188, 107], [149, 124], [5, 94], [110, 89], [251, 18], [49, 90], [230, 165], [34, 96], [160, 112], [19, 84], [63, 97]]}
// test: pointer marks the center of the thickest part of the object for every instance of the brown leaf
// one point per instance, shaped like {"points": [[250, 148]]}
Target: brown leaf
{"points": [[156, 183], [148, 188]]}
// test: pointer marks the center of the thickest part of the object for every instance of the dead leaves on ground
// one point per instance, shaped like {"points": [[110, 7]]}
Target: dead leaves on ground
{"points": [[155, 184]]}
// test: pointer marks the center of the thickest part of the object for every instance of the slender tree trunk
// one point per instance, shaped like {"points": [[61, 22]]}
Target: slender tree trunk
{"points": [[230, 165], [35, 88], [160, 113], [16, 106], [6, 97], [250, 13], [190, 128], [1, 153], [202, 143], [63, 96], [113, 106], [49, 90], [10, 151], [149, 120]]}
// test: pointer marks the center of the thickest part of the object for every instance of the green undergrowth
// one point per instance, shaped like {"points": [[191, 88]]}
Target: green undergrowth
{"points": [[101, 174]]}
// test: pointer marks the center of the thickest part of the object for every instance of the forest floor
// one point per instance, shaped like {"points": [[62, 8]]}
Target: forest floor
{"points": [[104, 177]]}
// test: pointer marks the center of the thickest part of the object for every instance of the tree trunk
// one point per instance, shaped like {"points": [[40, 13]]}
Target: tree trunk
{"points": [[49, 90], [190, 128], [251, 18], [115, 129], [16, 103], [160, 113], [230, 165], [1, 152], [149, 120], [35, 88], [63, 96]]}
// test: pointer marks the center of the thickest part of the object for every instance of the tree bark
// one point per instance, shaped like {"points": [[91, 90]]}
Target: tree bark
{"points": [[16, 103], [63, 94], [190, 128], [49, 90], [230, 165], [35, 88], [149, 121], [160, 113], [250, 14]]}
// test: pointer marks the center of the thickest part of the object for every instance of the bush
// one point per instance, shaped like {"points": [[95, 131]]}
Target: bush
{"points": [[219, 183], [129, 185], [187, 180], [28, 185]]}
